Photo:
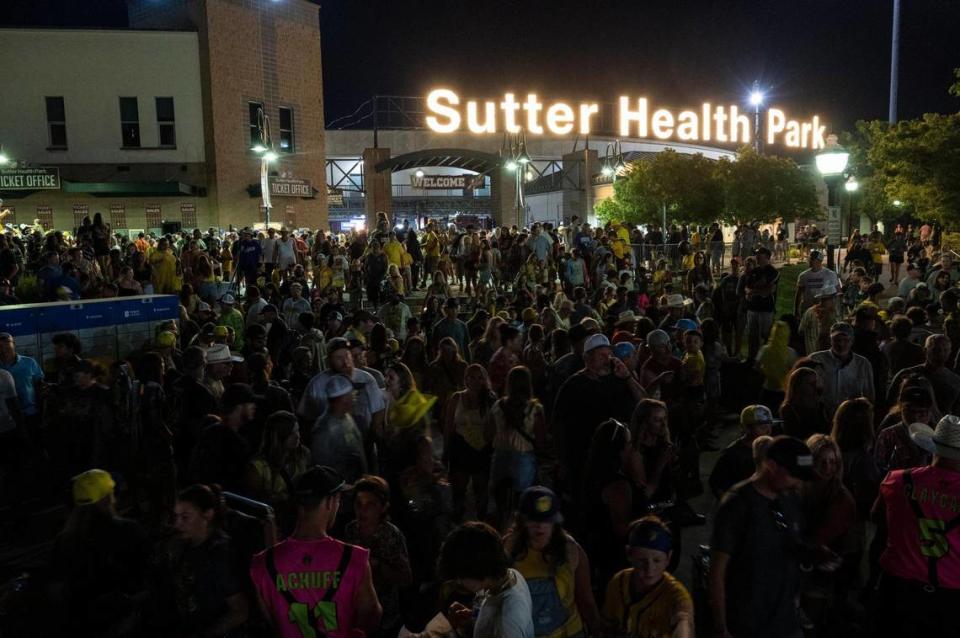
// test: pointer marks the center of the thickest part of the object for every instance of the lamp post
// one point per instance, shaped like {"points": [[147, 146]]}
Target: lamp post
{"points": [[264, 149], [851, 186], [756, 100], [613, 163], [831, 162], [514, 159]]}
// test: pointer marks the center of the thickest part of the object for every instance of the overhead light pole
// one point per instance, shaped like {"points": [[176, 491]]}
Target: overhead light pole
{"points": [[831, 162], [613, 163], [894, 62], [851, 186], [264, 149], [756, 100], [514, 159]]}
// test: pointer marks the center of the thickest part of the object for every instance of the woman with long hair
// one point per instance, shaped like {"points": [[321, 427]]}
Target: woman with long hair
{"points": [[489, 343], [699, 274], [206, 591], [854, 435], [803, 411], [406, 417], [608, 498], [516, 428], [829, 514], [655, 457], [445, 374], [554, 565], [465, 449], [415, 358], [282, 458]]}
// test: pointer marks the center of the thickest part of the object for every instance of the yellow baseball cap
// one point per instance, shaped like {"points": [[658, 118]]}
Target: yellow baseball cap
{"points": [[92, 487], [166, 339]]}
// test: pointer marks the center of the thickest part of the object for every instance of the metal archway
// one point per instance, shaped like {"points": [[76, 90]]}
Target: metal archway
{"points": [[476, 161]]}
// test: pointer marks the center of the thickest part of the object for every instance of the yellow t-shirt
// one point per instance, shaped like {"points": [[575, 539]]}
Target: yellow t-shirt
{"points": [[431, 247], [556, 585], [655, 614], [877, 250], [696, 367], [393, 251]]}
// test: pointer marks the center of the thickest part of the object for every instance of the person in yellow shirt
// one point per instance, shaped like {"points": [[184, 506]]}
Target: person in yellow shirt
{"points": [[431, 251], [394, 250], [555, 567], [877, 251], [644, 601]]}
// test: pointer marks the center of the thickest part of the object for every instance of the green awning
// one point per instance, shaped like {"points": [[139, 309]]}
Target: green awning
{"points": [[130, 189]]}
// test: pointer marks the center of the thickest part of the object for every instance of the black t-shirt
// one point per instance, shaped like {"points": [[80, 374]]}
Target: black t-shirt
{"points": [[583, 403], [762, 538], [761, 276], [734, 464]]}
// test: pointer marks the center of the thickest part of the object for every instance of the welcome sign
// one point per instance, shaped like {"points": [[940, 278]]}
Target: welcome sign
{"points": [[635, 117]]}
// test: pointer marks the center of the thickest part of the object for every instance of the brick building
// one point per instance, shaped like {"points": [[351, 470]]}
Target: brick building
{"points": [[155, 124]]}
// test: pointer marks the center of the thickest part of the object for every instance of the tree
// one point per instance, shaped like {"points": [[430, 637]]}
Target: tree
{"points": [[685, 184], [764, 188], [916, 162]]}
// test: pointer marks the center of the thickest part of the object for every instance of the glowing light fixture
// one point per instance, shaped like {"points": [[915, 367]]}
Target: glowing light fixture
{"points": [[259, 148], [607, 171], [897, 203], [832, 160], [756, 98], [851, 185], [511, 165], [419, 173], [271, 156]]}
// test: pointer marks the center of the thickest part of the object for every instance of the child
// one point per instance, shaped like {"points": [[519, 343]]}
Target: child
{"points": [[396, 279], [694, 365]]}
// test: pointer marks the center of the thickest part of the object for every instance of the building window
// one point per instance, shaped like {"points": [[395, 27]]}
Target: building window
{"points": [[118, 216], [153, 216], [286, 130], [129, 122], [56, 122], [166, 122], [253, 109]]}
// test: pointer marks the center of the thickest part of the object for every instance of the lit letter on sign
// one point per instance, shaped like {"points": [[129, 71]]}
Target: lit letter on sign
{"points": [[490, 117], [639, 116], [560, 119], [438, 102], [776, 122], [510, 108], [533, 107], [662, 124]]}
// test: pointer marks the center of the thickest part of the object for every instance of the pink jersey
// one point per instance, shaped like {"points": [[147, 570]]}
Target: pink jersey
{"points": [[917, 543], [295, 588]]}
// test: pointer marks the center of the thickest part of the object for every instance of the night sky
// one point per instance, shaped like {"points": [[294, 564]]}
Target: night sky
{"points": [[829, 57]]}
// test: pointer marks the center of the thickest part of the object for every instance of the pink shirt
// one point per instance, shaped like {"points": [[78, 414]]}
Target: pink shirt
{"points": [[306, 569], [911, 543]]}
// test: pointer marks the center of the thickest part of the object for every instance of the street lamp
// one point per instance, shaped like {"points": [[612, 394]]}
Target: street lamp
{"points": [[613, 162], [851, 186], [264, 148], [419, 173], [514, 159], [4, 158], [756, 100], [831, 162]]}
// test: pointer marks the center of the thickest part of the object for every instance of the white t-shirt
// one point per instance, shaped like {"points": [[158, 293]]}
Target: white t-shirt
{"points": [[509, 614], [268, 245], [8, 390], [287, 254], [813, 282]]}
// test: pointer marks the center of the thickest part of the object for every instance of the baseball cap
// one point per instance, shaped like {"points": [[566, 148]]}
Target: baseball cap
{"points": [[228, 299], [317, 483], [540, 505], [335, 316], [762, 250], [650, 533], [595, 341], [92, 486], [338, 385], [686, 324], [793, 455], [623, 350], [337, 343], [754, 414], [220, 331], [816, 254], [203, 306], [842, 327], [658, 338], [916, 395], [166, 339]]}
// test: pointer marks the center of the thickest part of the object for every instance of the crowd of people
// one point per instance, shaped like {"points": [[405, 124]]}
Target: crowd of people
{"points": [[454, 432]]}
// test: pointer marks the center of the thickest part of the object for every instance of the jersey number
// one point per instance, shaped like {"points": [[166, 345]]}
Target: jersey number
{"points": [[933, 538], [323, 611]]}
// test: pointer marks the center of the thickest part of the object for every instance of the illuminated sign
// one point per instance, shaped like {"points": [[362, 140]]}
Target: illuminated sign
{"points": [[290, 187], [446, 182], [447, 113], [29, 179]]}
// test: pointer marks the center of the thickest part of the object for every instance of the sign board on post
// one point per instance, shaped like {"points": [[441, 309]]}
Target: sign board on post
{"points": [[39, 178], [290, 187], [446, 182], [833, 225], [334, 196]]}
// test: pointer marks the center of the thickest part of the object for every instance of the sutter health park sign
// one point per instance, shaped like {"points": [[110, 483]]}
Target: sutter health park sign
{"points": [[635, 117], [29, 179]]}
